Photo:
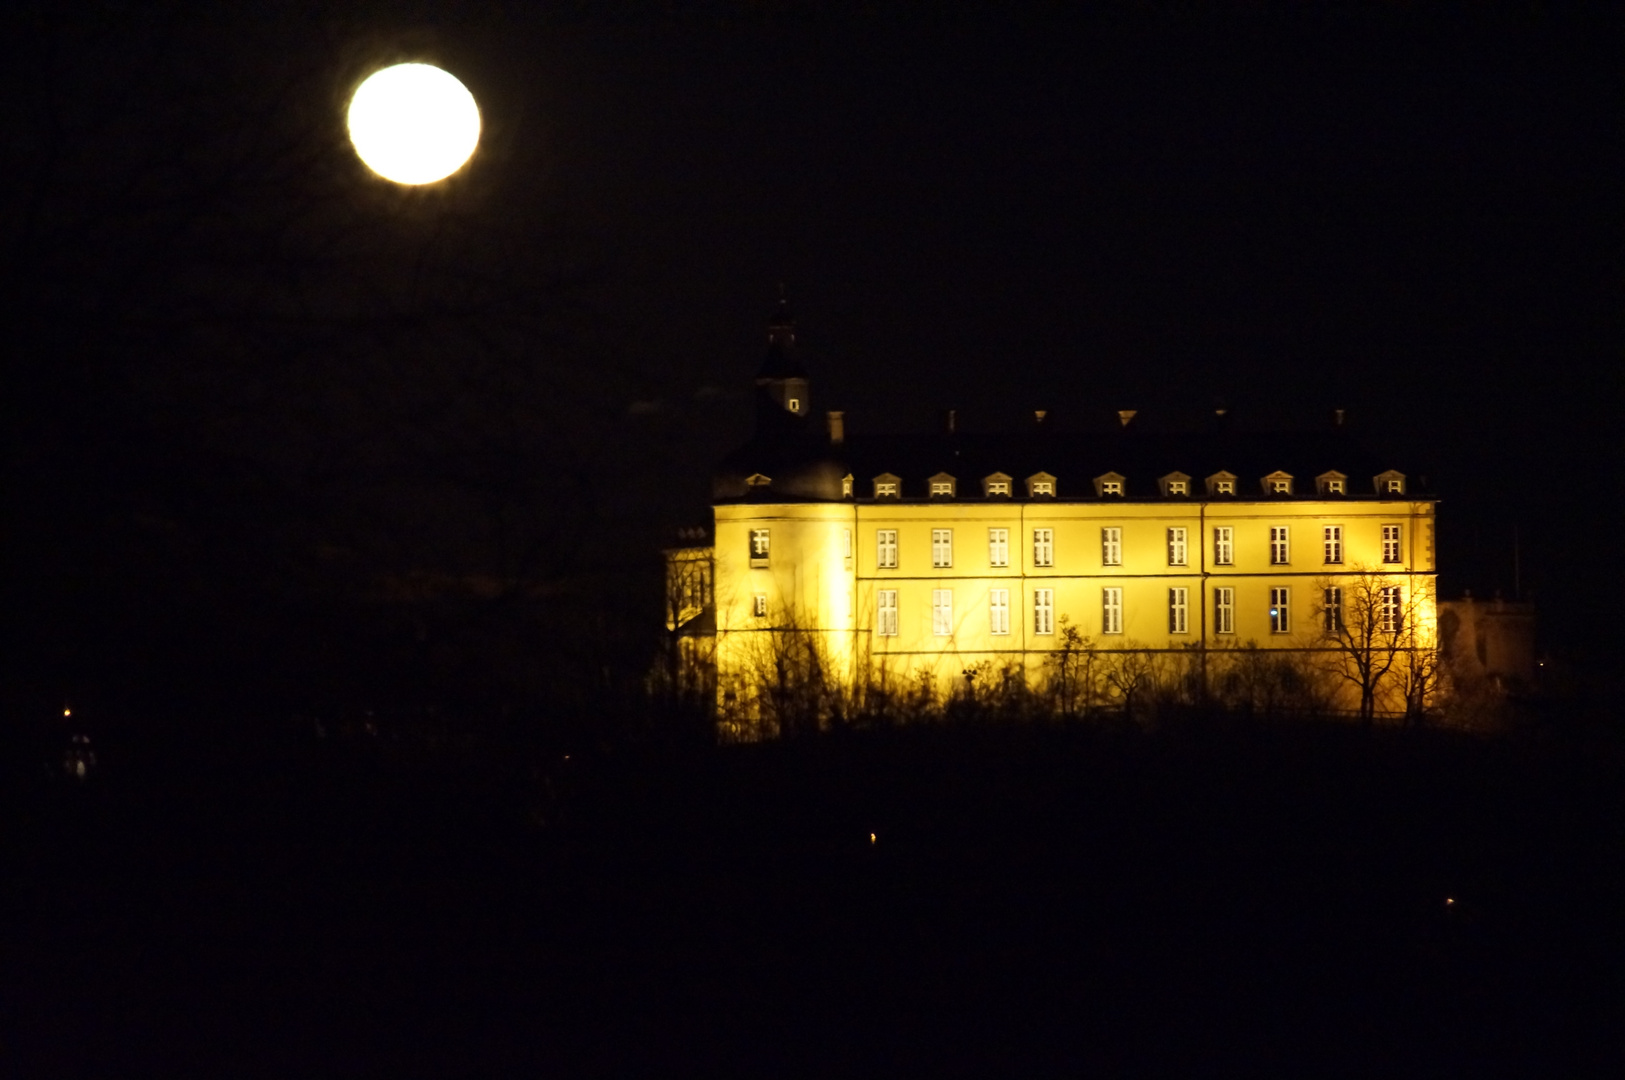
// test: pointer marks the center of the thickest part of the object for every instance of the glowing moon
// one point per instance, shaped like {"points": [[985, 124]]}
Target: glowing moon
{"points": [[413, 123]]}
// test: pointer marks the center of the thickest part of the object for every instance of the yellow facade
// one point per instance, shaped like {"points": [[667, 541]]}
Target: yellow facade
{"points": [[822, 574]]}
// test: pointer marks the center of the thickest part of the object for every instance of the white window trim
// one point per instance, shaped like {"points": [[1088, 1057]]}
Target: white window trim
{"points": [[998, 548], [1332, 544], [1111, 609], [1043, 547], [1178, 546], [758, 605], [886, 549], [1224, 545], [942, 549], [998, 612], [886, 613], [1280, 545], [1393, 548], [1044, 612], [1179, 606], [1224, 609], [761, 546], [1111, 545], [1280, 609], [942, 612], [1331, 608]]}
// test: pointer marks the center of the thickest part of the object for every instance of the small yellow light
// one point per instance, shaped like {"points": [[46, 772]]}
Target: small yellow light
{"points": [[67, 712], [1449, 900], [871, 838]]}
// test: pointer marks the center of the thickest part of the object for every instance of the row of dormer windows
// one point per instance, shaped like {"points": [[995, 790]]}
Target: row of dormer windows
{"points": [[1108, 485], [1111, 546]]}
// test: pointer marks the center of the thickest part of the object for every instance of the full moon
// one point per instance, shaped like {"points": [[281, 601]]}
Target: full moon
{"points": [[413, 123]]}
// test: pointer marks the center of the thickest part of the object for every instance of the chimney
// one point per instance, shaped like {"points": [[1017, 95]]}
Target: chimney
{"points": [[950, 421], [1125, 415], [1038, 416], [837, 427]]}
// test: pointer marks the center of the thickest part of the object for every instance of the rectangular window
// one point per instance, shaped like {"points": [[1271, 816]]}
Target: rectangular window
{"points": [[1280, 487], [885, 489], [1280, 553], [758, 605], [1179, 604], [1224, 545], [1390, 543], [1280, 620], [1111, 610], [1111, 487], [939, 488], [1043, 547], [846, 487], [998, 487], [942, 548], [1393, 486], [846, 543], [1179, 487], [942, 612], [1043, 487], [1388, 619], [886, 549], [1224, 610], [1332, 609], [1224, 487], [758, 547], [998, 547], [998, 611], [1334, 543], [1335, 487], [886, 625], [1111, 546], [1176, 546], [1043, 611]]}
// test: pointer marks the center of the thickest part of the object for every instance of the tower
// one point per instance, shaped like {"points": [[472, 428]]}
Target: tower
{"points": [[782, 387]]}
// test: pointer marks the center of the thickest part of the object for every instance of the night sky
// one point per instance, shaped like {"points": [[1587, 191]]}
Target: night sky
{"points": [[230, 347]]}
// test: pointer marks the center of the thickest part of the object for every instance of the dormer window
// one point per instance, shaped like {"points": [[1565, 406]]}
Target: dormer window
{"points": [[888, 486], [1278, 483], [996, 484], [846, 486], [1332, 483], [1109, 484], [1040, 485], [758, 480], [941, 486], [1221, 483], [1390, 483], [1175, 483], [794, 404]]}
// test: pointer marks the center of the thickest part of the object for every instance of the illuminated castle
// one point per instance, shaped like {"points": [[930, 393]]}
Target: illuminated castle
{"points": [[923, 560]]}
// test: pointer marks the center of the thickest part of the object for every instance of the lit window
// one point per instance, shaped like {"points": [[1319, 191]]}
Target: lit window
{"points": [[1224, 546], [1043, 611], [940, 488], [998, 547], [795, 404], [885, 489], [998, 487], [846, 487], [942, 548], [1176, 546], [886, 624], [758, 547], [1224, 610], [1111, 546], [1280, 621], [1390, 544], [1331, 609], [1043, 547], [1279, 551], [1224, 487], [886, 549], [1179, 604], [1111, 610], [1388, 618], [759, 605], [1280, 487], [1336, 487], [998, 611], [1111, 487], [1334, 543], [1179, 487], [942, 612], [846, 543], [1042, 487]]}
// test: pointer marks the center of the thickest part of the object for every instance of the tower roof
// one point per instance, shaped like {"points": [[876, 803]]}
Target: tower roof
{"points": [[781, 361]]}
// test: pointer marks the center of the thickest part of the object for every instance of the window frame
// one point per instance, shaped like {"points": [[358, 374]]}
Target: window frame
{"points": [[1224, 609], [1390, 617], [761, 546], [1178, 545], [1393, 550], [758, 605], [886, 620], [1043, 548], [1179, 607], [998, 548], [1111, 609], [998, 612], [1280, 609], [1224, 545], [1044, 612], [1280, 545], [942, 549], [1332, 544], [942, 613], [1111, 545], [1331, 609], [886, 549]]}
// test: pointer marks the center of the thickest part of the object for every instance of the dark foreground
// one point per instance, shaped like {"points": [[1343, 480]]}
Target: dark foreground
{"points": [[1291, 900]]}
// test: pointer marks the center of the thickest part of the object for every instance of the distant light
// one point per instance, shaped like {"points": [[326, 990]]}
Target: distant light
{"points": [[871, 838], [67, 712], [1449, 900], [413, 123]]}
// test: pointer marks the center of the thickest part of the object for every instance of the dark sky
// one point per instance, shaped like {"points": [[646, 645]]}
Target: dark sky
{"points": [[1408, 211]]}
